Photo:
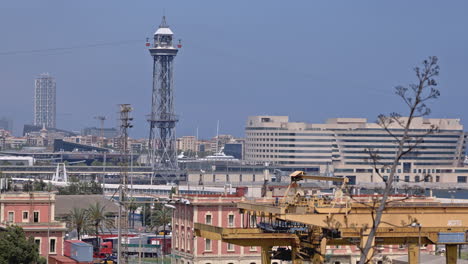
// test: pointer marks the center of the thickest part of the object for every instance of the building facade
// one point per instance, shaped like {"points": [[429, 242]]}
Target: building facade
{"points": [[341, 146], [35, 213], [209, 209], [45, 101], [187, 143]]}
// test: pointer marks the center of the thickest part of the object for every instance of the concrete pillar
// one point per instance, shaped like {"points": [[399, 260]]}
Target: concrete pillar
{"points": [[266, 257], [413, 253], [451, 254]]}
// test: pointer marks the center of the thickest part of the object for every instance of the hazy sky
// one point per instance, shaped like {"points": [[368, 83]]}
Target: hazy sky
{"points": [[311, 60]]}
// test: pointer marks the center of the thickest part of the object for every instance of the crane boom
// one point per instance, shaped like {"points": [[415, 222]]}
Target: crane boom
{"points": [[300, 175]]}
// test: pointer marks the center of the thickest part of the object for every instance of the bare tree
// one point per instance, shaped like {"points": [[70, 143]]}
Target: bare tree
{"points": [[415, 96]]}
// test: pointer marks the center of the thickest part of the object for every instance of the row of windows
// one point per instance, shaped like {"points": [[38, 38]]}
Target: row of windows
{"points": [[52, 245], [394, 152], [403, 158], [304, 157], [424, 171], [356, 129], [25, 217], [395, 141], [394, 147], [397, 135]]}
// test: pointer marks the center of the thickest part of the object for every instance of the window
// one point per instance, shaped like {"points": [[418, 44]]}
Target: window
{"points": [[437, 178], [461, 179], [397, 178], [230, 247], [253, 177], [207, 244], [231, 220], [416, 178], [182, 244], [36, 217], [208, 219], [38, 243], [407, 178], [25, 216], [52, 245], [188, 242], [11, 217], [240, 178]]}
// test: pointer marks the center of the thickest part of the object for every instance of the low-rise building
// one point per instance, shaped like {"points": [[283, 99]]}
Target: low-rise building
{"points": [[35, 213], [209, 209]]}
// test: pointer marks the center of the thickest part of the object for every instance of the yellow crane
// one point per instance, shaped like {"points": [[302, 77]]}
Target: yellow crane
{"points": [[345, 220]]}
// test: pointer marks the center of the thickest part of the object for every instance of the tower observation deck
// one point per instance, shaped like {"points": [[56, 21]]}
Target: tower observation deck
{"points": [[162, 140]]}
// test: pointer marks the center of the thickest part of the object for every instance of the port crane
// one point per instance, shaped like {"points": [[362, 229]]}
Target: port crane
{"points": [[307, 224]]}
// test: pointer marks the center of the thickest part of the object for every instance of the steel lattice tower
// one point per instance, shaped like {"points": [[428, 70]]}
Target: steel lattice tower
{"points": [[162, 140]]}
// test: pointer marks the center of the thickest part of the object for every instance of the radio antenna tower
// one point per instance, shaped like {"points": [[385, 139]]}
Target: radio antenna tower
{"points": [[162, 139], [122, 223]]}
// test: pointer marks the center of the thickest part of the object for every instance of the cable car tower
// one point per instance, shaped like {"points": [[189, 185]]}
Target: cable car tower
{"points": [[162, 139]]}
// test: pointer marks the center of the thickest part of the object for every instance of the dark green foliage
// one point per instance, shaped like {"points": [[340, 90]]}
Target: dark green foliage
{"points": [[80, 188], [15, 248]]}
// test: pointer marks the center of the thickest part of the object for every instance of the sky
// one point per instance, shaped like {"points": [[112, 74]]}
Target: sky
{"points": [[310, 60]]}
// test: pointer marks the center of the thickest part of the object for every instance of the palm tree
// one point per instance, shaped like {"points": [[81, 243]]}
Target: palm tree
{"points": [[97, 217], [161, 216], [78, 219], [132, 207]]}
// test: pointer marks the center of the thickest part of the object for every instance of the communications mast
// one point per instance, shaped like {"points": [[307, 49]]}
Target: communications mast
{"points": [[162, 139]]}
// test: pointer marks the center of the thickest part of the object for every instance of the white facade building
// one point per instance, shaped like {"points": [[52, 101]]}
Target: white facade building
{"points": [[342, 145]]}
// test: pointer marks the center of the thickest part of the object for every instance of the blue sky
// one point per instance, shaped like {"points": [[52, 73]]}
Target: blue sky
{"points": [[311, 60]]}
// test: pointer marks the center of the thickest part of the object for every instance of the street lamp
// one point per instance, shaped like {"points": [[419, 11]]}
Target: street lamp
{"points": [[418, 225]]}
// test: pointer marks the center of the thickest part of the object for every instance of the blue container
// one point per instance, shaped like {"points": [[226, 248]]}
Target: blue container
{"points": [[445, 237], [81, 252]]}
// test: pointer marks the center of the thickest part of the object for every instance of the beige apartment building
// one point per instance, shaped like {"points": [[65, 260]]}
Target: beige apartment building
{"points": [[187, 143], [341, 145]]}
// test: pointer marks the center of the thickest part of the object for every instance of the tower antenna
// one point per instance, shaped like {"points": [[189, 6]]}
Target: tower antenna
{"points": [[162, 139]]}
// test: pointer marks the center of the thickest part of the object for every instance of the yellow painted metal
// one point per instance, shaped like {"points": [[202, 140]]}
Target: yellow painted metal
{"points": [[413, 253], [451, 254], [266, 257], [352, 218], [300, 175], [245, 236]]}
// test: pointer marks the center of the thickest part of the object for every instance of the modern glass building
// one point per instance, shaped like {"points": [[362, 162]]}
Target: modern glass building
{"points": [[44, 101]]}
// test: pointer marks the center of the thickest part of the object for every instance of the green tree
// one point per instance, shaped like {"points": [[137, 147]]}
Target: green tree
{"points": [[15, 247], [39, 185], [78, 219], [132, 207], [97, 218], [160, 216]]}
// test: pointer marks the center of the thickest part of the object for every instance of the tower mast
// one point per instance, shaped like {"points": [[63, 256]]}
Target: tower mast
{"points": [[162, 140]]}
